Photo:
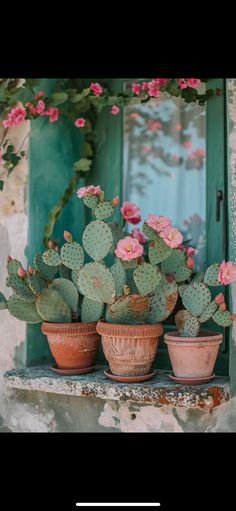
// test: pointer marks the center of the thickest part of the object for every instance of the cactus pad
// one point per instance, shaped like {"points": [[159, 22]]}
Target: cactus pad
{"points": [[128, 310], [21, 288], [187, 324], [51, 257], [65, 273], [104, 210], [211, 275], [47, 272], [13, 266], [129, 265], [25, 311], [197, 278], [182, 273], [222, 318], [68, 292], [3, 302], [72, 255], [208, 312], [147, 278], [91, 310], [182, 288], [90, 201], [162, 301], [36, 284], [52, 308], [196, 298], [117, 233], [97, 239], [158, 251], [176, 260], [96, 282], [150, 233], [119, 275]]}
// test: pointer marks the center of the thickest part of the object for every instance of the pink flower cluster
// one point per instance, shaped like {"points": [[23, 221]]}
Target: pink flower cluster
{"points": [[188, 82], [96, 88], [198, 153], [40, 108], [153, 125], [227, 273], [162, 224], [80, 122], [138, 235], [88, 190], [128, 248], [15, 117], [152, 87], [130, 213]]}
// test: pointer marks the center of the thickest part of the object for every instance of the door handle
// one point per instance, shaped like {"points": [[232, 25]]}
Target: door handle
{"points": [[219, 198]]}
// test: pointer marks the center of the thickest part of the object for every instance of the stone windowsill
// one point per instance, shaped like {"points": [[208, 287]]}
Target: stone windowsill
{"points": [[160, 390]]}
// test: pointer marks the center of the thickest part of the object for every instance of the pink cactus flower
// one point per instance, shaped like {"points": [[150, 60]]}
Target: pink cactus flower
{"points": [[219, 299], [88, 190], [172, 237], [158, 223], [30, 270], [190, 263], [136, 88], [227, 273], [67, 235], [128, 248], [134, 115], [130, 212], [222, 307], [50, 244], [115, 110], [57, 249], [15, 117], [96, 88], [39, 94], [233, 317], [40, 107], [190, 251], [115, 201], [80, 122], [138, 235], [21, 273], [53, 113]]}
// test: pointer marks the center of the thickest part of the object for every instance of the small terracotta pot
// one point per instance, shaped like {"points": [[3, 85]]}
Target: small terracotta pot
{"points": [[129, 349], [193, 357], [73, 345]]}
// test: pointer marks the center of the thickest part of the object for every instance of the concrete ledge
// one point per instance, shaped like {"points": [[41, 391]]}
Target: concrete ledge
{"points": [[158, 391]]}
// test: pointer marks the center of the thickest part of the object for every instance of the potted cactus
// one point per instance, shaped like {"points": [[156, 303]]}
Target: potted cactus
{"points": [[193, 352]]}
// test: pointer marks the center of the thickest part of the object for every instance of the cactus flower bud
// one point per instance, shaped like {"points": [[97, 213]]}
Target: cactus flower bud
{"points": [[233, 317], [115, 201], [190, 263], [50, 244], [68, 236], [57, 249], [21, 273], [222, 307], [219, 299], [9, 258], [30, 270]]}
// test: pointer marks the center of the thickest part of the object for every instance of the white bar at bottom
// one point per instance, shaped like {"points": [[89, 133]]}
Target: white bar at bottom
{"points": [[117, 504]]}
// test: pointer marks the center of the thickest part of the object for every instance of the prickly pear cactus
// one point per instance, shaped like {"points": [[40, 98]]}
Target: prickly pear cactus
{"points": [[46, 272], [183, 273], [150, 233], [130, 282], [187, 324], [72, 255], [129, 265], [196, 298], [119, 275], [90, 201], [13, 266], [208, 312], [146, 277], [3, 302], [52, 308], [181, 289], [197, 278], [211, 275], [91, 310], [97, 283], [222, 318], [67, 291], [20, 288], [162, 301], [128, 310], [104, 210], [97, 240], [117, 233], [25, 311], [65, 273], [158, 251], [51, 257], [36, 283]]}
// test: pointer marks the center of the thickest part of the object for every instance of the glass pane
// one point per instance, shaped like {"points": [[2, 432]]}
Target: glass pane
{"points": [[164, 165]]}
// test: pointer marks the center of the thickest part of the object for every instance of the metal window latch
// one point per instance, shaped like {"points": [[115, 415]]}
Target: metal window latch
{"points": [[219, 198]]}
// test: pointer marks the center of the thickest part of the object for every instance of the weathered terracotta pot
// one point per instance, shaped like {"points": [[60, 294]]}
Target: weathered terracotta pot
{"points": [[73, 345], [129, 349], [193, 357]]}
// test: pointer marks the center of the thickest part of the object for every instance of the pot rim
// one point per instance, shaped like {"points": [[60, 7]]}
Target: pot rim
{"points": [[80, 328], [117, 329], [204, 336]]}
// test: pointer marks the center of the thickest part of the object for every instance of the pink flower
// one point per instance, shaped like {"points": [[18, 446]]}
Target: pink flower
{"points": [[88, 190], [219, 299], [134, 115], [222, 306], [172, 237], [52, 112], [57, 249], [136, 88], [30, 270], [154, 92], [227, 273], [190, 263], [31, 108], [190, 251], [182, 84], [15, 116], [130, 212], [115, 110], [128, 248], [158, 223], [40, 107], [200, 151], [138, 235], [67, 236], [50, 244], [178, 126], [188, 82], [115, 201], [233, 317], [145, 85], [187, 144], [153, 125], [21, 273], [39, 94], [80, 122], [96, 88]]}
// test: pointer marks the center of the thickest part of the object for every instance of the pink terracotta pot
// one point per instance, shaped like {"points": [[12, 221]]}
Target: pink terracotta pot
{"points": [[193, 357], [129, 349], [73, 345]]}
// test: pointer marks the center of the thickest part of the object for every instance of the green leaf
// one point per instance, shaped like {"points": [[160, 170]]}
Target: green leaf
{"points": [[1, 185], [57, 98]]}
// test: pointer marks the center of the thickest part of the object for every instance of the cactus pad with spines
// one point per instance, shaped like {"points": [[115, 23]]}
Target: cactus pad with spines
{"points": [[90, 201], [119, 275], [96, 282], [175, 261], [52, 308], [97, 240], [72, 255], [211, 275], [197, 278], [150, 233], [183, 273], [187, 324], [128, 310], [3, 302], [13, 266], [158, 251], [222, 318], [104, 210], [147, 278], [25, 311], [129, 265], [65, 273], [91, 310], [181, 289], [47, 272], [20, 288], [162, 301], [208, 312], [36, 284], [117, 233], [51, 257], [68, 292], [196, 298]]}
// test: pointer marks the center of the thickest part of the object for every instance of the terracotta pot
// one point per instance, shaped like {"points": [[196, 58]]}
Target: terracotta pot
{"points": [[193, 357], [73, 345], [129, 349]]}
